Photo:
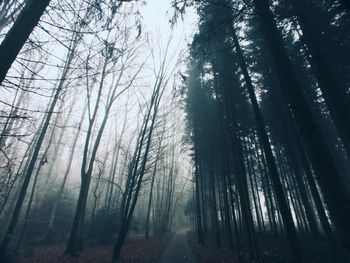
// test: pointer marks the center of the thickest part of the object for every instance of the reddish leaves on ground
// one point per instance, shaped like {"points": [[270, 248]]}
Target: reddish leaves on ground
{"points": [[134, 251]]}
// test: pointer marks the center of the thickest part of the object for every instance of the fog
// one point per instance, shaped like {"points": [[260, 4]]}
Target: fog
{"points": [[174, 131]]}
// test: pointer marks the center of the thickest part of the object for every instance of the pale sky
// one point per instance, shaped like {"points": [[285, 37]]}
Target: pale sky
{"points": [[156, 15]]}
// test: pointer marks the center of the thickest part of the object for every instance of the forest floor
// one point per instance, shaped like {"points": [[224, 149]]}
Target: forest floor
{"points": [[134, 251], [182, 247], [271, 250]]}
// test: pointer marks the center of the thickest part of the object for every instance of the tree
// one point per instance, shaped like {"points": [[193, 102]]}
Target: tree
{"points": [[124, 58], [34, 157], [331, 182], [333, 92], [27, 20], [138, 164]]}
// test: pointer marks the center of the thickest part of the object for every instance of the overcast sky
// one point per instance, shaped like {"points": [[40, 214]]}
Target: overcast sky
{"points": [[156, 15]]}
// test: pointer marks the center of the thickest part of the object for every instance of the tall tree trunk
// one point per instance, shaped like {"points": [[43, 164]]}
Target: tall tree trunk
{"points": [[198, 198], [235, 144], [115, 162], [50, 226], [129, 210], [269, 193], [74, 243], [298, 168], [34, 157], [330, 180], [14, 218], [233, 209], [242, 185], [321, 210], [146, 137], [19, 33], [151, 191], [203, 190], [58, 143], [25, 162], [31, 198], [271, 162], [250, 180], [213, 206], [228, 227], [29, 206], [255, 183], [333, 93]]}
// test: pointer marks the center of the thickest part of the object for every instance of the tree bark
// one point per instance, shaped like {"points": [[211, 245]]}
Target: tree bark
{"points": [[19, 33]]}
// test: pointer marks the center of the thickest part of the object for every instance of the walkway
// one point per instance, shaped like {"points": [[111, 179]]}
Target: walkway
{"points": [[178, 250]]}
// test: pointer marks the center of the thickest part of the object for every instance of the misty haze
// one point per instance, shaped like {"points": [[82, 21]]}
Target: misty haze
{"points": [[175, 131]]}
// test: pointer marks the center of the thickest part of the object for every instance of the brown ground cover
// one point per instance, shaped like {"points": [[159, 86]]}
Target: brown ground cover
{"points": [[140, 251]]}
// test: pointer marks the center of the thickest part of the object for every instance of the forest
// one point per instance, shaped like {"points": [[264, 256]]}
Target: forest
{"points": [[175, 131]]}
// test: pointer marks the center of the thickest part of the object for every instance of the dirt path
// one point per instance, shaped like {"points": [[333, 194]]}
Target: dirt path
{"points": [[178, 250]]}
